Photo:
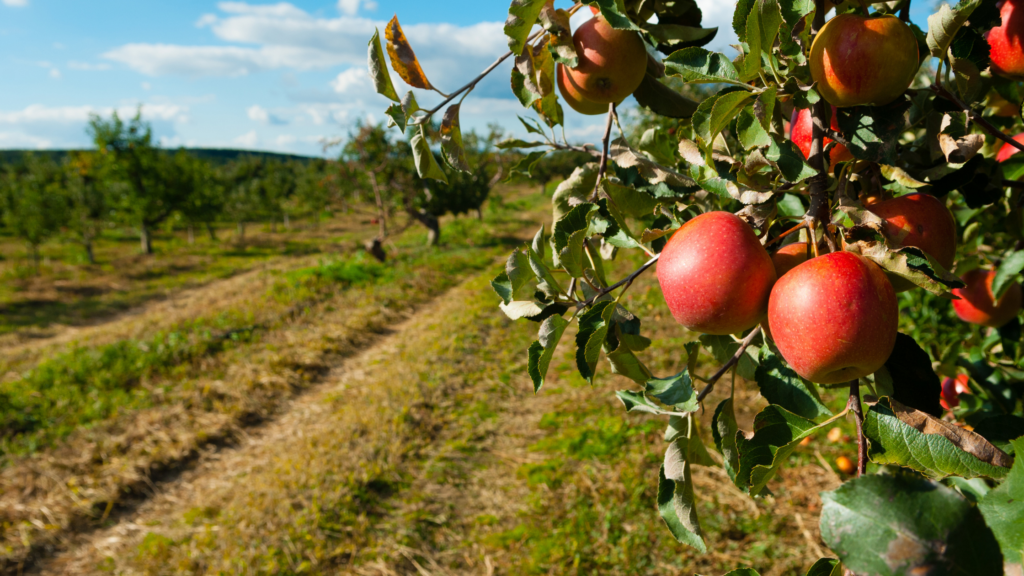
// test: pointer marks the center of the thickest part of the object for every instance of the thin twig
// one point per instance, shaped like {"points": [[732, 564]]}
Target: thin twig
{"points": [[818, 211], [625, 281], [604, 150], [796, 228], [946, 94], [858, 410], [725, 368], [905, 12], [1013, 184]]}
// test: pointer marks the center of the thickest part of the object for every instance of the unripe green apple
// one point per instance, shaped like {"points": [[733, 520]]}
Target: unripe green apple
{"points": [[1004, 41], [611, 65], [834, 318], [800, 127], [919, 220], [715, 275], [978, 305], [574, 99], [1007, 149], [788, 257], [859, 60]]}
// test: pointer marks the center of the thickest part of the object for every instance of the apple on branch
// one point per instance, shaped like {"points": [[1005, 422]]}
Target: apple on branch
{"points": [[922, 221], [1005, 41], [978, 305], [612, 64]]}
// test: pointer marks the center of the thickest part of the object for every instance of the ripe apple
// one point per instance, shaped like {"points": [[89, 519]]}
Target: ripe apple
{"points": [[715, 275], [800, 126], [574, 99], [611, 65], [859, 60], [595, 10], [922, 221], [952, 389], [1008, 149], [834, 318], [788, 257], [977, 305], [1004, 42]]}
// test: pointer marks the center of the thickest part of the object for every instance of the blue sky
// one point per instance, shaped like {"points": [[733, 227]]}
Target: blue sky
{"points": [[247, 74]]}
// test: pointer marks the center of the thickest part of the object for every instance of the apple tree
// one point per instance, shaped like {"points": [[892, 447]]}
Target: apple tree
{"points": [[835, 207]]}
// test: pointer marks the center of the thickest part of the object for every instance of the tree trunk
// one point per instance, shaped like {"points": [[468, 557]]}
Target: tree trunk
{"points": [[376, 249], [479, 213], [431, 223], [35, 257], [191, 234], [273, 226], [241, 231], [88, 250], [145, 240], [211, 232], [382, 216], [287, 222]]}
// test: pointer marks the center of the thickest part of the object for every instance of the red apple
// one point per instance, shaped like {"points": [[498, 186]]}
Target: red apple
{"points": [[977, 305], [800, 126], [1008, 149], [952, 389], [595, 10], [788, 257], [611, 65], [922, 221], [834, 318], [1004, 42], [857, 60], [715, 275], [574, 99]]}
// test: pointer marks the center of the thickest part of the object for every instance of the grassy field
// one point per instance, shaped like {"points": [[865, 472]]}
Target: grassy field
{"points": [[306, 409]]}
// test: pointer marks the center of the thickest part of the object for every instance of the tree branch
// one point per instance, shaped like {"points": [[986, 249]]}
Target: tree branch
{"points": [[604, 150], [858, 410], [818, 211], [905, 12], [744, 344], [628, 280], [976, 118]]}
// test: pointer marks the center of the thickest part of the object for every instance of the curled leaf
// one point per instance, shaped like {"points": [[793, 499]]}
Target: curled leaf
{"points": [[379, 70], [451, 140], [403, 59]]}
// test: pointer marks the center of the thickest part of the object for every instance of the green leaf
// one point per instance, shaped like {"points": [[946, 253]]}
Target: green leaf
{"points": [[663, 100], [525, 166], [423, 156], [743, 572], [625, 363], [520, 275], [751, 64], [379, 69], [533, 75], [591, 336], [715, 113], [826, 567], [873, 132], [789, 160], [629, 200], [522, 15], [898, 525], [723, 430], [611, 13], [579, 186], [749, 130], [911, 264], [676, 391], [574, 222], [739, 18], [944, 24], [556, 22], [637, 402], [451, 140], [673, 34], [1007, 273], [531, 125], [659, 145], [777, 432], [794, 10], [676, 502], [516, 143], [546, 281], [907, 437], [503, 287], [724, 347], [780, 385], [700, 66], [1003, 509], [542, 350]]}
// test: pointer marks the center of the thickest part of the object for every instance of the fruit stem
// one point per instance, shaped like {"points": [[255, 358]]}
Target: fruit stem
{"points": [[732, 361], [864, 7], [604, 151], [796, 228], [627, 281], [939, 90], [905, 12], [858, 411]]}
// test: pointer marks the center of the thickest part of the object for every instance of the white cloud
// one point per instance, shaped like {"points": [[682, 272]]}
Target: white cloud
{"points": [[54, 73], [248, 140], [37, 113], [19, 140], [206, 20], [276, 36], [15, 2], [355, 78], [258, 113], [76, 65], [348, 7], [146, 86], [286, 140]]}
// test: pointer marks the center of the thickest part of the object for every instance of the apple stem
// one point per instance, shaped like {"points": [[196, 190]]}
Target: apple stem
{"points": [[905, 12], [604, 150], [858, 411], [939, 90], [744, 344], [627, 281], [796, 228], [864, 7]]}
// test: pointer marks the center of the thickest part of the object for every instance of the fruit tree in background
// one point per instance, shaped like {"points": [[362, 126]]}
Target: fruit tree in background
{"points": [[842, 210]]}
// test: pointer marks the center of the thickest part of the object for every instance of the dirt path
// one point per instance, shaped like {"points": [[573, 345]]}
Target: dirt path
{"points": [[222, 471]]}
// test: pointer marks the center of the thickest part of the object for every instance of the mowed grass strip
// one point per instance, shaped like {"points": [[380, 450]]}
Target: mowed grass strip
{"points": [[432, 455], [161, 407]]}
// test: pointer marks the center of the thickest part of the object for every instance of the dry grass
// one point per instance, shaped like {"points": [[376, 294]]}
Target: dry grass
{"points": [[428, 454], [102, 472]]}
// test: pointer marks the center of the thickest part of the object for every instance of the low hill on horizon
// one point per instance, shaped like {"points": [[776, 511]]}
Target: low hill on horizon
{"points": [[215, 156]]}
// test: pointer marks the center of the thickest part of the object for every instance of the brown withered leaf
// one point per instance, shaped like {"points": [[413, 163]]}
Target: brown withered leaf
{"points": [[403, 59], [556, 22], [974, 444], [627, 157], [960, 150]]}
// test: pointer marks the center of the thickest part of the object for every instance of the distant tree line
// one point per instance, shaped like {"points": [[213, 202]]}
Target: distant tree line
{"points": [[128, 181]]}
